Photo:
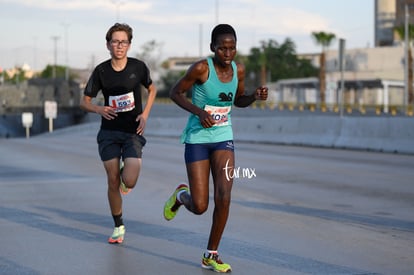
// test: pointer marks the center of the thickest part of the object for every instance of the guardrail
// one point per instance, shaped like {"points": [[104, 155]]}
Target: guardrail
{"points": [[335, 108]]}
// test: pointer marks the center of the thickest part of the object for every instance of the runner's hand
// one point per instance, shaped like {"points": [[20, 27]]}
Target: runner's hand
{"points": [[141, 126], [206, 120], [261, 93], [107, 112]]}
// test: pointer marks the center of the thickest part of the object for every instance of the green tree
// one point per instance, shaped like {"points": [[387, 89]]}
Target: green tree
{"points": [[400, 30], [17, 77], [273, 61], [48, 71], [323, 39]]}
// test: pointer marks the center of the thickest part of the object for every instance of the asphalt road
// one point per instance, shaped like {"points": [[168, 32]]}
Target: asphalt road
{"points": [[295, 210]]}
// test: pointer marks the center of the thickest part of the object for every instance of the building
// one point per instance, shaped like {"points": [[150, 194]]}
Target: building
{"points": [[400, 14], [388, 15], [179, 63], [385, 12]]}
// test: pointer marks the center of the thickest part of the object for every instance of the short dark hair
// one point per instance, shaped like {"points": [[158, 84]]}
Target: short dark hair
{"points": [[119, 27], [222, 29]]}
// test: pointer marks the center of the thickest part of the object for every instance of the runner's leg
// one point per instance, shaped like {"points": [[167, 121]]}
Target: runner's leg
{"points": [[114, 197], [131, 171], [222, 194], [198, 173]]}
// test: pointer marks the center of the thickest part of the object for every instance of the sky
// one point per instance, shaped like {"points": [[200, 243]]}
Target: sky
{"points": [[72, 32]]}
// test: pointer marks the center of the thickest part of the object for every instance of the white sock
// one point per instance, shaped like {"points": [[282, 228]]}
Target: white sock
{"points": [[210, 253], [179, 194]]}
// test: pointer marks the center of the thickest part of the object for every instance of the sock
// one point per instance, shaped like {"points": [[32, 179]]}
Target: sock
{"points": [[209, 253], [118, 220], [179, 194]]}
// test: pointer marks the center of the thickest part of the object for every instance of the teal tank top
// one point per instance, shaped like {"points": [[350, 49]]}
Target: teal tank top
{"points": [[217, 98]]}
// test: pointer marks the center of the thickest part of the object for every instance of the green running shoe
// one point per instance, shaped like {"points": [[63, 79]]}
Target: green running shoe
{"points": [[172, 204], [122, 187], [213, 262], [118, 235]]}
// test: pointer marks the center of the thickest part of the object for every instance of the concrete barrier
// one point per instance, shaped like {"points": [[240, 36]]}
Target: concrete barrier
{"points": [[382, 134], [387, 134]]}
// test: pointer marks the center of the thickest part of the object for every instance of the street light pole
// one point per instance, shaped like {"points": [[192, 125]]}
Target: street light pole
{"points": [[341, 69], [200, 46], [66, 25], [118, 7], [217, 12], [35, 53], [407, 15], [55, 39]]}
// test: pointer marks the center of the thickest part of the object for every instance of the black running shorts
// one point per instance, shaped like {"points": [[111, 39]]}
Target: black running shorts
{"points": [[117, 144]]}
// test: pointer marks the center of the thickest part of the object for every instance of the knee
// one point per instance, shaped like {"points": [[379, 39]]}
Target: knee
{"points": [[113, 186], [113, 182], [199, 208], [198, 211], [222, 199], [129, 179], [129, 183]]}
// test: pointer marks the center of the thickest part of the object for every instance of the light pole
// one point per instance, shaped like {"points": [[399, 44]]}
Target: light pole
{"points": [[118, 7], [200, 48], [217, 12], [406, 41], [341, 69], [34, 53], [55, 39], [66, 26]]}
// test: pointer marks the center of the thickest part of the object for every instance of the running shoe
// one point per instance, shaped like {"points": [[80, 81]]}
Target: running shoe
{"points": [[172, 204], [118, 235], [212, 261], [122, 187]]}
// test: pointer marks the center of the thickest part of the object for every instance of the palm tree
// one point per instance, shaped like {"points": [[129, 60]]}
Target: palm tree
{"points": [[400, 30], [324, 39]]}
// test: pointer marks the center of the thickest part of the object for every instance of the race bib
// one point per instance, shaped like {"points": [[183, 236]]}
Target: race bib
{"points": [[122, 103], [219, 114]]}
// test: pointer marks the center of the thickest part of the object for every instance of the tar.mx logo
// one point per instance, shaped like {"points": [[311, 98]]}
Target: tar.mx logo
{"points": [[237, 172]]}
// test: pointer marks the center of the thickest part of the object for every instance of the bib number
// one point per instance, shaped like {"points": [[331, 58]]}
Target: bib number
{"points": [[219, 114], [122, 103]]}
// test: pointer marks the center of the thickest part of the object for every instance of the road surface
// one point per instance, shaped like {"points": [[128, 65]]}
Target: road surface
{"points": [[295, 210]]}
